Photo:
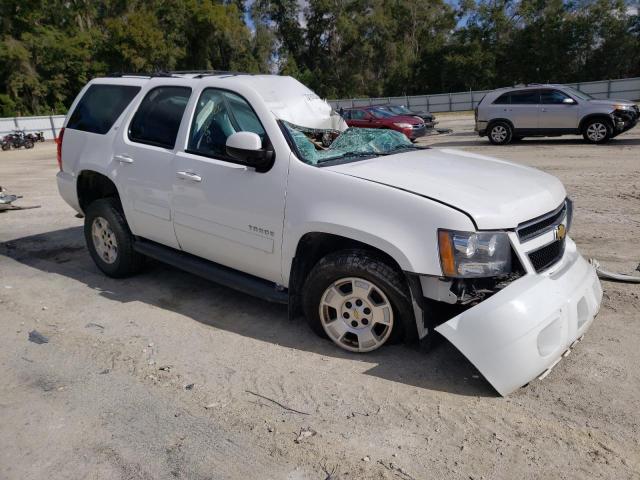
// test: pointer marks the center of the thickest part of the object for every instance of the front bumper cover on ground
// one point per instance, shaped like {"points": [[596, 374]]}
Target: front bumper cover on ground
{"points": [[523, 330]]}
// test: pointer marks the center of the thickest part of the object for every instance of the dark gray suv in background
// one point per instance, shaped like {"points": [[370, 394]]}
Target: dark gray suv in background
{"points": [[512, 113]]}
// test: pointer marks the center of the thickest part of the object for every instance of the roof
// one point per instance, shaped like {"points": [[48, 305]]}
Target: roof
{"points": [[286, 97]]}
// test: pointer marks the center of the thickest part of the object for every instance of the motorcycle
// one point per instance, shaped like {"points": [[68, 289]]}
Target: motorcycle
{"points": [[5, 143], [19, 139], [36, 137]]}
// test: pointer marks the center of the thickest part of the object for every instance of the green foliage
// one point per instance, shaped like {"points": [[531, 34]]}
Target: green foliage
{"points": [[50, 48]]}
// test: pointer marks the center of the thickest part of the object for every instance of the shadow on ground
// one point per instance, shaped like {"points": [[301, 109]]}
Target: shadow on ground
{"points": [[63, 252], [475, 141]]}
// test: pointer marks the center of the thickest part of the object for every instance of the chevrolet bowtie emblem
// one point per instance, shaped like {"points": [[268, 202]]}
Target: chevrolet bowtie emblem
{"points": [[561, 232]]}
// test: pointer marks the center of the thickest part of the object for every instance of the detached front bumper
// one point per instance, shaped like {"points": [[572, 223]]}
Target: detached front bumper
{"points": [[523, 330]]}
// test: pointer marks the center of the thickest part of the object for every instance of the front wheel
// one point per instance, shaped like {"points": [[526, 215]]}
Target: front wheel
{"points": [[500, 133], [357, 300], [597, 131]]}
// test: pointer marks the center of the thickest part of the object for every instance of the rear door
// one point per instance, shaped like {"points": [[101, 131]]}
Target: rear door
{"points": [[143, 157], [523, 109], [556, 114]]}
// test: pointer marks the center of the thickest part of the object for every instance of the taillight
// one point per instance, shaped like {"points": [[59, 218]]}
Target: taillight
{"points": [[59, 147]]}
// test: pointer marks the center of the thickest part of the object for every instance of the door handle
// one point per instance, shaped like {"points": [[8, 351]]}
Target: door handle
{"points": [[189, 176], [123, 158]]}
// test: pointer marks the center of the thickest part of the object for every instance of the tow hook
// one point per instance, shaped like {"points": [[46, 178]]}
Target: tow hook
{"points": [[565, 354]]}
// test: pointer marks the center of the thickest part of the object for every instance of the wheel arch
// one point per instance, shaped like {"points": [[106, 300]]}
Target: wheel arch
{"points": [[593, 116], [493, 121], [92, 185], [312, 246]]}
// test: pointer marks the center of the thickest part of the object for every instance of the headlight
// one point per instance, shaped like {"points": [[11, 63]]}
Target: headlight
{"points": [[474, 254], [403, 125], [622, 107]]}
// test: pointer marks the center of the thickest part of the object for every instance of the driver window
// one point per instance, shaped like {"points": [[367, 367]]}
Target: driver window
{"points": [[218, 115], [552, 97]]}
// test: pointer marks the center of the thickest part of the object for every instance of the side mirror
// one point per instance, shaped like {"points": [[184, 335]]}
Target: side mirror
{"points": [[568, 101], [246, 148]]}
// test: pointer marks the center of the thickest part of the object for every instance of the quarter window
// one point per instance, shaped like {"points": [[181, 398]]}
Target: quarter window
{"points": [[100, 107], [501, 100], [552, 97], [159, 115], [218, 115], [525, 97]]}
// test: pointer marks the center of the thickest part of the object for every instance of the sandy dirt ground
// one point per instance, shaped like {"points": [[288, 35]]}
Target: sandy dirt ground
{"points": [[165, 375]]}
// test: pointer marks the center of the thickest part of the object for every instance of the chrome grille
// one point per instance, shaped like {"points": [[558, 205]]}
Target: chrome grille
{"points": [[545, 257], [543, 224]]}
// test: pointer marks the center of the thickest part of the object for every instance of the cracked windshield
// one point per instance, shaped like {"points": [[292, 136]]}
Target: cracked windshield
{"points": [[352, 143]]}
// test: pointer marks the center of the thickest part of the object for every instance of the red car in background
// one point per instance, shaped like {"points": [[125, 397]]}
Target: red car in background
{"points": [[376, 117]]}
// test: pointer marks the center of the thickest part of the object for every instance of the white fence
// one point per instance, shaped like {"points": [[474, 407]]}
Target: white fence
{"points": [[623, 89], [50, 125], [628, 89]]}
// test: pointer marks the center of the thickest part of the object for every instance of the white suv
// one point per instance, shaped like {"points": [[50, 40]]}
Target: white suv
{"points": [[375, 239]]}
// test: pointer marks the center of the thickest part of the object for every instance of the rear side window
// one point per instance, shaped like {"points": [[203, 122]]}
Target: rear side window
{"points": [[159, 115], [100, 107], [358, 115], [501, 100], [525, 97]]}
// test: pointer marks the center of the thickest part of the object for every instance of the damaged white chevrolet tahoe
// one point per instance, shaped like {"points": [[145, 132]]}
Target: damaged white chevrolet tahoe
{"points": [[254, 182]]}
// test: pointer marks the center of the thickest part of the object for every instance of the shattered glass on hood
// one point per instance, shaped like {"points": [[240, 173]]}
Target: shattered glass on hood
{"points": [[351, 142]]}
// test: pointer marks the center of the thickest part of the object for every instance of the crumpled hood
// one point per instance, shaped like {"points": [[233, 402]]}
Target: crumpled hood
{"points": [[495, 193], [613, 102]]}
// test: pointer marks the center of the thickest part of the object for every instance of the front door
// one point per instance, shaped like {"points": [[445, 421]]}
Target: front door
{"points": [[224, 211], [556, 114], [143, 158]]}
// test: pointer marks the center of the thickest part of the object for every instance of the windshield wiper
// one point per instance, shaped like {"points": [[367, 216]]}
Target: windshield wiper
{"points": [[350, 155]]}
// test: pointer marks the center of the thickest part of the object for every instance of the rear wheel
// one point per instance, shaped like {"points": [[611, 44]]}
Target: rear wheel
{"points": [[357, 300], [28, 144], [109, 239], [500, 133], [597, 130]]}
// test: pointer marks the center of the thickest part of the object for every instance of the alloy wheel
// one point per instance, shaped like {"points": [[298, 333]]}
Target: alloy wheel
{"points": [[597, 132], [104, 240], [356, 314], [499, 134]]}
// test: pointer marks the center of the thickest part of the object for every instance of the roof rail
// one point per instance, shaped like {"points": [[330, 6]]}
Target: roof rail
{"points": [[139, 74], [171, 73]]}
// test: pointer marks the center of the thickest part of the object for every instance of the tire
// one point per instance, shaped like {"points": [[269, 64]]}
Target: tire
{"points": [[500, 133], [358, 321], [112, 250], [597, 131], [28, 144], [6, 146]]}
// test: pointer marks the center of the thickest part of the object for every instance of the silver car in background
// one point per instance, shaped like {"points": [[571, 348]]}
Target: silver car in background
{"points": [[537, 110]]}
